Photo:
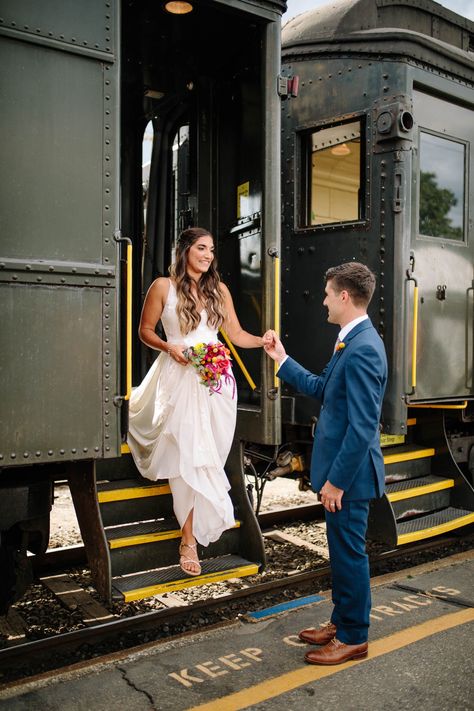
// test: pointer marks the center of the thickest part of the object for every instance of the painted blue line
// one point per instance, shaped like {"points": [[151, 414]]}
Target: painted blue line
{"points": [[299, 602]]}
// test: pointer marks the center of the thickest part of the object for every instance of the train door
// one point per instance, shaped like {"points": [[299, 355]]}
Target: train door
{"points": [[443, 250], [211, 109]]}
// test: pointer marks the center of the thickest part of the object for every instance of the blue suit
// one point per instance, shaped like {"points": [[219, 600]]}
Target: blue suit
{"points": [[346, 451]]}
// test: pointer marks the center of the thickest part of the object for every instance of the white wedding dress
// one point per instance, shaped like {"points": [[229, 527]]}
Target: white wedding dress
{"points": [[180, 432]]}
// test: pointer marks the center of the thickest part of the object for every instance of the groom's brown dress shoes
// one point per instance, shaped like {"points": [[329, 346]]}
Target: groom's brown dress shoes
{"points": [[322, 636], [336, 652]]}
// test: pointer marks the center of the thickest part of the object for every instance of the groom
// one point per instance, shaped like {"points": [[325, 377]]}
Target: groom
{"points": [[347, 468]]}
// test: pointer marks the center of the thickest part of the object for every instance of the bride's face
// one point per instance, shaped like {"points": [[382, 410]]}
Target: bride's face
{"points": [[200, 255]]}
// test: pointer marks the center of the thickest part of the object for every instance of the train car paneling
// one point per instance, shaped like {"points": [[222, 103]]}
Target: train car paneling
{"points": [[348, 142], [58, 216], [443, 244]]}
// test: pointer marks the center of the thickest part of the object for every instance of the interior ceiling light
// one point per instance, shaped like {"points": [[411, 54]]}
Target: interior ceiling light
{"points": [[178, 8], [341, 150]]}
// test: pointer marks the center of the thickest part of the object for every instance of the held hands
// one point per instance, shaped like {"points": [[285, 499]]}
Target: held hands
{"points": [[175, 351], [331, 497], [273, 346]]}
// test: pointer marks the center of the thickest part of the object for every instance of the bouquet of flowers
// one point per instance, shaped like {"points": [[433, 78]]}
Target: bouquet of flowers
{"points": [[212, 363]]}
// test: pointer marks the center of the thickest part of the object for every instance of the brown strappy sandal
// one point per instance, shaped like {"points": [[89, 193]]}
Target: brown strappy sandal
{"points": [[184, 559]]}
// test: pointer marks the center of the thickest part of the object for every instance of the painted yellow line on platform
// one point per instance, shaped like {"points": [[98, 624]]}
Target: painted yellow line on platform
{"points": [[276, 686], [435, 530], [420, 490], [135, 492], [408, 456]]}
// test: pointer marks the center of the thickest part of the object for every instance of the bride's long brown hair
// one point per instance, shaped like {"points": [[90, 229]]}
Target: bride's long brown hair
{"points": [[207, 287]]}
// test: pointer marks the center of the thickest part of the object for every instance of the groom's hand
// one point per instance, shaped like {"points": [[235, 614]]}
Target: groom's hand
{"points": [[273, 346], [331, 497]]}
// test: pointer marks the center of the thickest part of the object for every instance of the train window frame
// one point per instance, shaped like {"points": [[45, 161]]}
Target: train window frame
{"points": [[304, 138], [465, 212]]}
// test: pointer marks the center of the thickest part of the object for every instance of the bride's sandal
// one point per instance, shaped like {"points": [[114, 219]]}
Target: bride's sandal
{"points": [[185, 559]]}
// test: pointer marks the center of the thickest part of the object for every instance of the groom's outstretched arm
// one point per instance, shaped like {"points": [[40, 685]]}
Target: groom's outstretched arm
{"points": [[290, 371]]}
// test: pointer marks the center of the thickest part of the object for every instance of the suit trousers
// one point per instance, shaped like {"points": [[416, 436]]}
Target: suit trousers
{"points": [[346, 531]]}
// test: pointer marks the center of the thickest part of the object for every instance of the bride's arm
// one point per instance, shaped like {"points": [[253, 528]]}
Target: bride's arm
{"points": [[151, 314], [232, 327]]}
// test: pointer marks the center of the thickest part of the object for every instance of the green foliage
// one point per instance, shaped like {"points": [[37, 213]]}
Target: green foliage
{"points": [[435, 204]]}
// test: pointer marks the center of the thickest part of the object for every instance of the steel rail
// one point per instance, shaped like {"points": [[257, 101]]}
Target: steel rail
{"points": [[22, 654]]}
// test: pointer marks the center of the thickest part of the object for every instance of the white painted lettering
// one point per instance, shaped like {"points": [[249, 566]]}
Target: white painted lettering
{"points": [[233, 661], [185, 678], [294, 641], [375, 617], [252, 653], [211, 669], [386, 610], [417, 601], [446, 591], [404, 606]]}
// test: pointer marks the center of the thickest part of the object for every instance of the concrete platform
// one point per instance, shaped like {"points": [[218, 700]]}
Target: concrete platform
{"points": [[421, 656]]}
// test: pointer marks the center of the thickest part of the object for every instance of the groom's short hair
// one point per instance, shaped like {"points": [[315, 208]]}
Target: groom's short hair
{"points": [[355, 278]]}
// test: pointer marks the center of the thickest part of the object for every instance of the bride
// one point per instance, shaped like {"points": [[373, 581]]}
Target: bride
{"points": [[178, 429]]}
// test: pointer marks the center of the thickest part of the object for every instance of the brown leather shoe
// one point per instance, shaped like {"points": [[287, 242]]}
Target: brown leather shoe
{"points": [[322, 636], [337, 652]]}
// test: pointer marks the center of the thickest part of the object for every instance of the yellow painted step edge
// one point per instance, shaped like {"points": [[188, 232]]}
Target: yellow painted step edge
{"points": [[190, 582], [408, 456], [149, 538], [435, 530], [135, 492], [420, 490]]}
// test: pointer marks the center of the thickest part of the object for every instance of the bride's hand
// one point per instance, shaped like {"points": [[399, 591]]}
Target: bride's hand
{"points": [[175, 351]]}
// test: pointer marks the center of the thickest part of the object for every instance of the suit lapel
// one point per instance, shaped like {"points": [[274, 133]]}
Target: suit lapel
{"points": [[362, 326]]}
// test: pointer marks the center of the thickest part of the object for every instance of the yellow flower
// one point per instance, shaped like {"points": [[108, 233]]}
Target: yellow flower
{"points": [[340, 346]]}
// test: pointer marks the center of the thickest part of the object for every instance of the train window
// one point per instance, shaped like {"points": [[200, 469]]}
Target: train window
{"points": [[442, 187], [181, 181], [334, 179]]}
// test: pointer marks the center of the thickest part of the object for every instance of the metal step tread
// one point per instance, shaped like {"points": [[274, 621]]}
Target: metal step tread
{"points": [[433, 524], [160, 580], [406, 453], [407, 488], [144, 532], [124, 489]]}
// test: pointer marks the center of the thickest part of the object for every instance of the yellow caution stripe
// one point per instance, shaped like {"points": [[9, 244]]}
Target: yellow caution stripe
{"points": [[408, 456], [420, 490], [436, 530], [411, 421], [188, 582], [143, 538], [275, 686], [124, 448], [388, 440], [132, 492]]}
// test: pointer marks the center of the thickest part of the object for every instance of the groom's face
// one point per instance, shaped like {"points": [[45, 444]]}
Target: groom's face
{"points": [[334, 302]]}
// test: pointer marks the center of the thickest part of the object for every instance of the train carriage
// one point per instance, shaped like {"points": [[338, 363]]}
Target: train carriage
{"points": [[84, 87], [346, 136], [377, 167]]}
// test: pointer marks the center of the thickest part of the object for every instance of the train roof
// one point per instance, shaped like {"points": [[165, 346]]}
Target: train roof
{"points": [[422, 30]]}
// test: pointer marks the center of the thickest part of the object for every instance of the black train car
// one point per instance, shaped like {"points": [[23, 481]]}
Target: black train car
{"points": [[377, 166]]}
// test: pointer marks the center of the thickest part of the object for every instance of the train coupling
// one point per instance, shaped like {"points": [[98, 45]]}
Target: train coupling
{"points": [[287, 463]]}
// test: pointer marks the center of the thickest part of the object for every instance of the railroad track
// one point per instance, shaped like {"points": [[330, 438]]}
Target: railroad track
{"points": [[106, 635]]}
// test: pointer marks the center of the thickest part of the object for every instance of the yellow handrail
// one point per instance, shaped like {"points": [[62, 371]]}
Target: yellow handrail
{"points": [[238, 359], [129, 324]]}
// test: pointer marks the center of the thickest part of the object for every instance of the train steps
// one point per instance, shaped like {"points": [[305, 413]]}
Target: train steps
{"points": [[141, 535], [426, 494]]}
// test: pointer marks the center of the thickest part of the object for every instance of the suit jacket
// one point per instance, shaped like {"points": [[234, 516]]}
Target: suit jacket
{"points": [[346, 448]]}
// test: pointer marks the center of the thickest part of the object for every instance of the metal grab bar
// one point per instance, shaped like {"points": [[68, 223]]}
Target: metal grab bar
{"points": [[128, 327], [276, 314], [410, 277], [238, 359]]}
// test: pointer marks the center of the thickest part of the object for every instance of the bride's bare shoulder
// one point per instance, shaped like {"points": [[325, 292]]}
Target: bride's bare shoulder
{"points": [[159, 289]]}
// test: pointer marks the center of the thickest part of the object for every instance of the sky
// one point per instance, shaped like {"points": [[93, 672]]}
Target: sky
{"points": [[296, 7]]}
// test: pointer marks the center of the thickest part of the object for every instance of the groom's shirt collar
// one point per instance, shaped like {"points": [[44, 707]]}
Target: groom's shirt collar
{"points": [[349, 326]]}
